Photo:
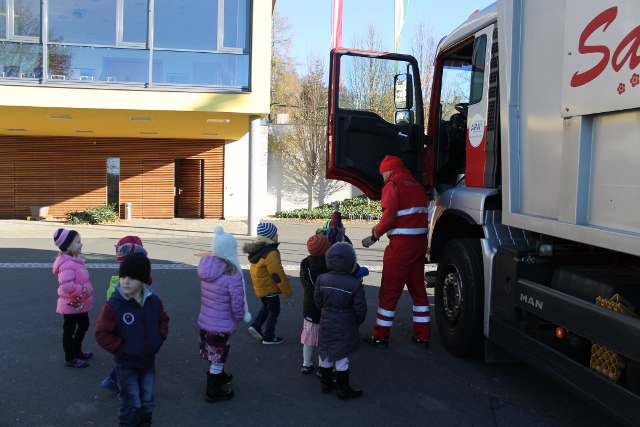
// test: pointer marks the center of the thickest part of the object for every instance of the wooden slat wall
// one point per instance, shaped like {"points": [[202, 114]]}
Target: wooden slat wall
{"points": [[7, 187], [49, 182], [131, 186], [70, 174]]}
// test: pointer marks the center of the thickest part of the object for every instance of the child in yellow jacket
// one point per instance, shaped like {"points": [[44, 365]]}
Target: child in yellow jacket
{"points": [[269, 281]]}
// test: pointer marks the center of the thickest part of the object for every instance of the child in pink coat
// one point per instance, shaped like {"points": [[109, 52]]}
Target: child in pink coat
{"points": [[75, 296], [223, 305]]}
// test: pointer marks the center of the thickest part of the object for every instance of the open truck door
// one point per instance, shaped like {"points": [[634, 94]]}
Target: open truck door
{"points": [[375, 109]]}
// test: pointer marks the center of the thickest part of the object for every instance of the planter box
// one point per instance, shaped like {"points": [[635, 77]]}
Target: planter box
{"points": [[40, 211]]}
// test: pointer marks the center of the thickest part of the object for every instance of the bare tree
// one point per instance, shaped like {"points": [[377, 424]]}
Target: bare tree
{"points": [[285, 83], [424, 45], [303, 145]]}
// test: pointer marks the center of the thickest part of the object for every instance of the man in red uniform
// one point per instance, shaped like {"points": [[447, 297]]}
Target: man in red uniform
{"points": [[405, 221]]}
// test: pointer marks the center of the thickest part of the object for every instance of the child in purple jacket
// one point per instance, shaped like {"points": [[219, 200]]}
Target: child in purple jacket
{"points": [[223, 305]]}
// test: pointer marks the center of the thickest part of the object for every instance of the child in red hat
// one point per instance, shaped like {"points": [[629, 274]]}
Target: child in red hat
{"points": [[125, 246], [310, 268]]}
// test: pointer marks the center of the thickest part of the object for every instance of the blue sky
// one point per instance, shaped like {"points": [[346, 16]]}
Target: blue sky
{"points": [[311, 21]]}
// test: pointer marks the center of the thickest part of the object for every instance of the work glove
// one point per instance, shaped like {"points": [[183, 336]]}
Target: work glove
{"points": [[368, 241]]}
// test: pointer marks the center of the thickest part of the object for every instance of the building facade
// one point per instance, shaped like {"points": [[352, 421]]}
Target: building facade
{"points": [[130, 101]]}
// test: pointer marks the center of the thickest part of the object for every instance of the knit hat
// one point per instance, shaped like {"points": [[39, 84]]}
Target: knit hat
{"points": [[136, 266], [334, 235], [318, 244], [63, 238], [390, 162], [129, 245], [267, 229], [225, 246]]}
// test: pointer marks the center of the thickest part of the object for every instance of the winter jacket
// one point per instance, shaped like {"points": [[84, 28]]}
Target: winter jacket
{"points": [[266, 269], [342, 301], [404, 206], [133, 333], [310, 268], [222, 296], [73, 277]]}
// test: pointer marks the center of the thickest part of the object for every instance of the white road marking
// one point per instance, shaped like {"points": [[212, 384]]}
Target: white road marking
{"points": [[114, 266]]}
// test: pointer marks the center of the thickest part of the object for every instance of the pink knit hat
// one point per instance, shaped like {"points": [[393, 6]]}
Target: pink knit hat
{"points": [[63, 238]]}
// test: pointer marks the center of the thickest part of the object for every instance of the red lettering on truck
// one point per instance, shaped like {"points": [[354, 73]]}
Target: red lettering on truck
{"points": [[629, 48]]}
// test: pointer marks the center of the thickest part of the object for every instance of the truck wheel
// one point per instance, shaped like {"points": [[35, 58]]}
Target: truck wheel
{"points": [[459, 297]]}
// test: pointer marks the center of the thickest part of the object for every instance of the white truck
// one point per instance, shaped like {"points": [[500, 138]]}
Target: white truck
{"points": [[531, 162]]}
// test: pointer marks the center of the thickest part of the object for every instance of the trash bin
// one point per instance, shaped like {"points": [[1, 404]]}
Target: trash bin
{"points": [[127, 211], [39, 211]]}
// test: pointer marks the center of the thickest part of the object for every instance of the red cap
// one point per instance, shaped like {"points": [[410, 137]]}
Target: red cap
{"points": [[390, 162], [318, 244]]}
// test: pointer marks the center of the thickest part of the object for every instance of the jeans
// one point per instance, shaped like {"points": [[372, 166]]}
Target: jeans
{"points": [[136, 394], [268, 316], [73, 329]]}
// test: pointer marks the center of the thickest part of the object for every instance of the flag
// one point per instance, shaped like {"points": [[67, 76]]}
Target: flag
{"points": [[400, 14], [336, 23]]}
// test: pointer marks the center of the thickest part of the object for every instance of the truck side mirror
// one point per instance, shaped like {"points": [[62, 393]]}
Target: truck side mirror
{"points": [[404, 117], [403, 85]]}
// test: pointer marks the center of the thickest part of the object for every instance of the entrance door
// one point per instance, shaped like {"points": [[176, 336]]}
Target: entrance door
{"points": [[188, 192]]}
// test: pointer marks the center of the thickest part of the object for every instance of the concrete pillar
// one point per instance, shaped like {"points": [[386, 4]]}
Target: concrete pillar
{"points": [[254, 176]]}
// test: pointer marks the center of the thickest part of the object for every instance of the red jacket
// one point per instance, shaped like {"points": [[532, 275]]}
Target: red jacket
{"points": [[404, 206]]}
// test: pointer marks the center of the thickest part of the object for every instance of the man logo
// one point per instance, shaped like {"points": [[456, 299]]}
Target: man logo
{"points": [[529, 300], [128, 318]]}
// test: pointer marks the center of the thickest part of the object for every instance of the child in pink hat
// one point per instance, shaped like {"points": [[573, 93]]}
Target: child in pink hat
{"points": [[75, 296]]}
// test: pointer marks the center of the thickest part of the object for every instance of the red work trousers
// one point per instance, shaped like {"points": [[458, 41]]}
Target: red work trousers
{"points": [[403, 263]]}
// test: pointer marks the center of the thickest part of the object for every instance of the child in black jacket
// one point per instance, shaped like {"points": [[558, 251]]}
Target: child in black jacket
{"points": [[310, 268], [343, 309], [132, 326]]}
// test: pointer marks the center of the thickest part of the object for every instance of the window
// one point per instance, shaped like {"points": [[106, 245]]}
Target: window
{"points": [[113, 181], [477, 70], [195, 42], [3, 19], [186, 24], [20, 60], [20, 20], [134, 22], [236, 18], [87, 22]]}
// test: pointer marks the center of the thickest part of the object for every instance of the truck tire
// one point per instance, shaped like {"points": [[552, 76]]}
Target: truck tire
{"points": [[459, 297]]}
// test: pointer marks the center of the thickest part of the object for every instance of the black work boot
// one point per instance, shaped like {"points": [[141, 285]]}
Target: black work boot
{"points": [[375, 342], [214, 389], [326, 379], [345, 391]]}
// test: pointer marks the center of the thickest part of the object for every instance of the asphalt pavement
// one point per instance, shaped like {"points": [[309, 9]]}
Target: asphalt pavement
{"points": [[402, 385]]}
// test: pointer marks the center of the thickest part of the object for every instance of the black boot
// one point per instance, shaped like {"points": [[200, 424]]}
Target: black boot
{"points": [[145, 422], [326, 379], [344, 389], [225, 378], [214, 389]]}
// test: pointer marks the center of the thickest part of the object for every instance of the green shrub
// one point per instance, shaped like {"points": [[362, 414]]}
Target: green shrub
{"points": [[94, 215], [357, 209]]}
